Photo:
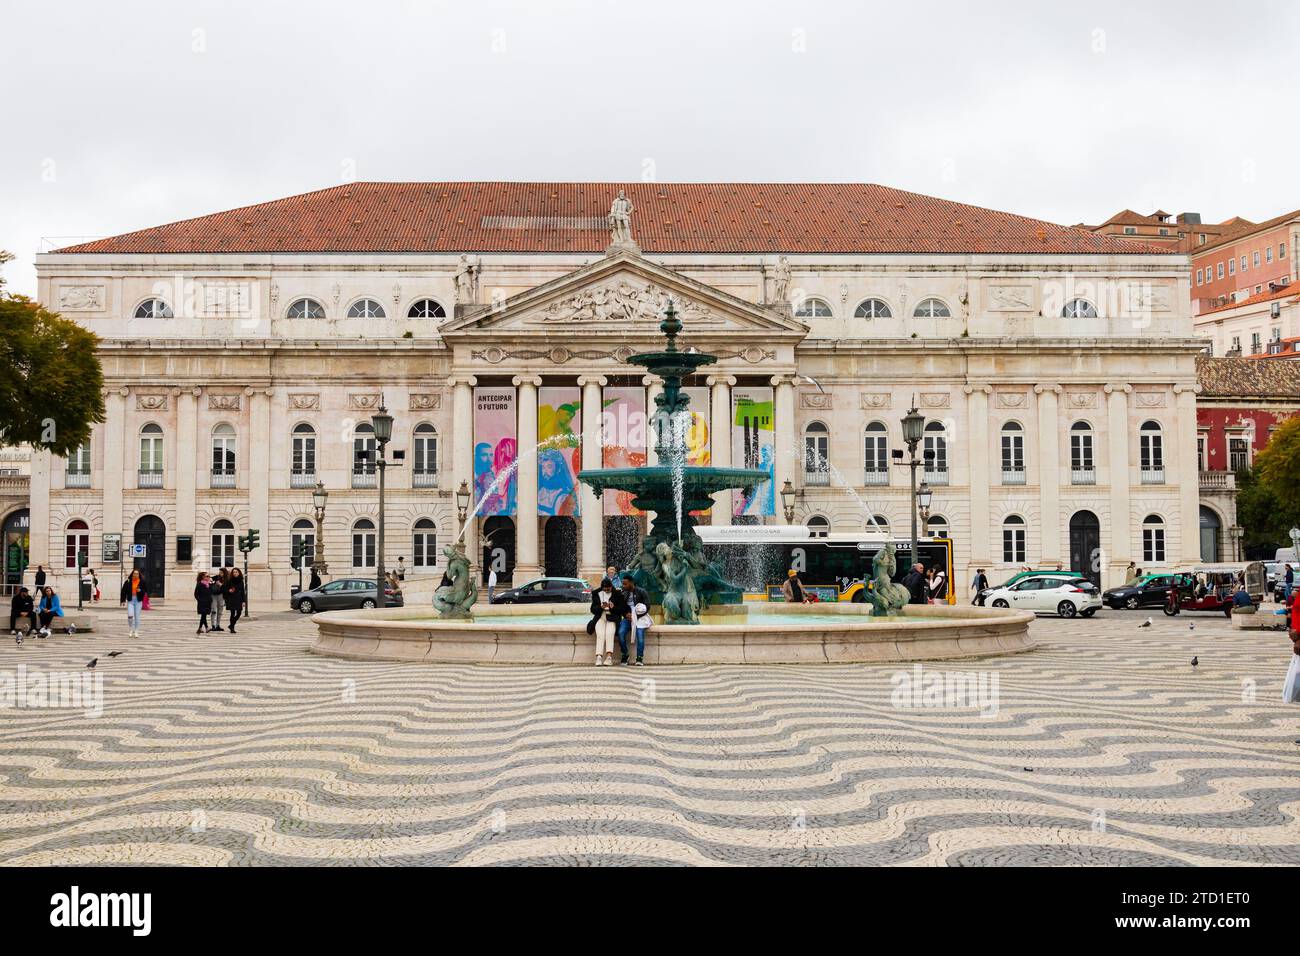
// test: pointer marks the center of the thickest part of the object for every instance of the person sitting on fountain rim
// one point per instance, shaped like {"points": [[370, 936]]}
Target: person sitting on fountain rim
{"points": [[633, 595], [608, 607], [793, 589], [917, 586]]}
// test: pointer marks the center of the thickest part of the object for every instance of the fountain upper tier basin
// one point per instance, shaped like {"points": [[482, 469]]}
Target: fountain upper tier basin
{"points": [[836, 633], [656, 481]]}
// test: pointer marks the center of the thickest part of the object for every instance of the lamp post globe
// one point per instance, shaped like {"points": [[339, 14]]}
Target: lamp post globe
{"points": [[787, 501]]}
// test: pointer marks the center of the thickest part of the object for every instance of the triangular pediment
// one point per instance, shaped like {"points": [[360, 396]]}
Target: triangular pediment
{"points": [[627, 294]]}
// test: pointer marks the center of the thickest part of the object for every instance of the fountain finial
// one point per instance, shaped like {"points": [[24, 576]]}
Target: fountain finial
{"points": [[670, 326]]}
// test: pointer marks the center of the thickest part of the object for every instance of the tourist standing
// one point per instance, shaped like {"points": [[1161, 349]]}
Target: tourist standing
{"points": [[94, 581], [979, 585], [1131, 574], [634, 597], [235, 596], [938, 586], [217, 585], [401, 568], [793, 590], [314, 583], [915, 584], [22, 606], [492, 584], [50, 608], [641, 620], [1289, 580], [203, 600], [132, 595], [40, 576], [608, 607]]}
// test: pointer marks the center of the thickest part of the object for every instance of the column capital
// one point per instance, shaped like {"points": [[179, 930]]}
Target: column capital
{"points": [[721, 379], [978, 389], [1182, 387], [786, 379], [533, 380], [652, 381], [594, 379], [1112, 387], [462, 379], [1043, 389]]}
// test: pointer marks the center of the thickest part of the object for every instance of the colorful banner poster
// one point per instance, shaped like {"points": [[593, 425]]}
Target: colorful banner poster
{"points": [[559, 449], [495, 450], [698, 448], [753, 445], [623, 439]]}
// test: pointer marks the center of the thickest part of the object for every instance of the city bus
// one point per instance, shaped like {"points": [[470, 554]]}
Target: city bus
{"points": [[832, 566]]}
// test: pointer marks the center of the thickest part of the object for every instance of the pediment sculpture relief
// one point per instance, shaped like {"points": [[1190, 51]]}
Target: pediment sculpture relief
{"points": [[622, 301]]}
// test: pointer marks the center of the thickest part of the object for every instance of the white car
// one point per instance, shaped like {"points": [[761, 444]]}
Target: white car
{"points": [[1066, 597]]}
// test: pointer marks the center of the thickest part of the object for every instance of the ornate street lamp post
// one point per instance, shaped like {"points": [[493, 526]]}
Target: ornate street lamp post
{"points": [[383, 425], [319, 498], [923, 496], [787, 501], [913, 429], [462, 502]]}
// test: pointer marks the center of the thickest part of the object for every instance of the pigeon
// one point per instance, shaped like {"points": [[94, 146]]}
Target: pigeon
{"points": [[92, 664], [1191, 626], [1027, 769], [1146, 623], [115, 654], [1194, 660]]}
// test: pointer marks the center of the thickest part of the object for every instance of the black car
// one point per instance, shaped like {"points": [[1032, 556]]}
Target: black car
{"points": [[547, 591], [1151, 590], [343, 594]]}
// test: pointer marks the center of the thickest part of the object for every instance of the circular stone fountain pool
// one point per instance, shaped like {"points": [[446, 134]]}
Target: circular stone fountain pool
{"points": [[728, 634]]}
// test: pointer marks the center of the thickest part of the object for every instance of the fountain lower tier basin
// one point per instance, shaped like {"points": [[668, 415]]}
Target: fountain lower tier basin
{"points": [[767, 634]]}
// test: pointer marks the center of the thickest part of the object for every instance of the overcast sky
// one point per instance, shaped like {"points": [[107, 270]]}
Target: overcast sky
{"points": [[130, 114]]}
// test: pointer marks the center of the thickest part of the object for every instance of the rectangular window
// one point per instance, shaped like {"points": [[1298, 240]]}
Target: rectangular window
{"points": [[1200, 453], [1254, 343], [74, 543], [876, 459], [1220, 270], [1153, 544], [363, 549], [1013, 458], [1255, 259], [1236, 344], [424, 548], [1199, 275], [1238, 454], [304, 542], [1243, 263], [1130, 231], [1013, 544], [304, 454], [223, 549], [1232, 267], [1281, 250], [1268, 253]]}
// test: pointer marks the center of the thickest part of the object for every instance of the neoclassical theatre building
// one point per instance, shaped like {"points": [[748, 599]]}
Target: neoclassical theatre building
{"points": [[245, 352]]}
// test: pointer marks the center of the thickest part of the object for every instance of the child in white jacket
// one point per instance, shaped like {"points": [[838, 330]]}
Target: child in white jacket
{"points": [[641, 621]]}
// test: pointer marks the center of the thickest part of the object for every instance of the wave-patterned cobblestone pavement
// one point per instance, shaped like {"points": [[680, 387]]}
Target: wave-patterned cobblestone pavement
{"points": [[1106, 747]]}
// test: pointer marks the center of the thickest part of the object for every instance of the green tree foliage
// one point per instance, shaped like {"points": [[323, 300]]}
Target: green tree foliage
{"points": [[50, 379], [1265, 519]]}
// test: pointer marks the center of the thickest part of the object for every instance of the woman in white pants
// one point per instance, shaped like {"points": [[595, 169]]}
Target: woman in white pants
{"points": [[608, 607]]}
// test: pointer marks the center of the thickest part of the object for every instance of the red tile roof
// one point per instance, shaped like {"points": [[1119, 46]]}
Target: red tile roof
{"points": [[570, 217], [1237, 228], [1267, 295]]}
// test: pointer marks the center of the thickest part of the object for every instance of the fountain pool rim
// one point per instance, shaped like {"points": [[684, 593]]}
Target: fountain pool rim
{"points": [[731, 636]]}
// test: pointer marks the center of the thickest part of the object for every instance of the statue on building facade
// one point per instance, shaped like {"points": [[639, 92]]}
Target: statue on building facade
{"points": [[620, 223], [781, 281], [467, 273]]}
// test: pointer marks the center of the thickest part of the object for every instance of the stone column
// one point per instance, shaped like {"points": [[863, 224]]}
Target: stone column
{"points": [[979, 550], [116, 456], [462, 466], [1187, 478], [1049, 476], [259, 486], [187, 461], [720, 427], [527, 562], [788, 457], [39, 549], [1122, 524], [591, 556], [654, 387]]}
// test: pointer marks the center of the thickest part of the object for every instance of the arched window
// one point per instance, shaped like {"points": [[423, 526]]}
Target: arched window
{"points": [[814, 308], [306, 309], [76, 541], [153, 309], [366, 309], [302, 541], [76, 467], [1151, 448], [876, 455], [223, 456], [424, 544], [872, 309], [151, 456], [426, 309], [363, 456], [816, 466], [223, 544], [1083, 469], [879, 525], [363, 544], [303, 461], [1013, 539], [1153, 539], [1079, 309], [934, 451], [937, 526], [425, 470], [1013, 454], [931, 309], [818, 527]]}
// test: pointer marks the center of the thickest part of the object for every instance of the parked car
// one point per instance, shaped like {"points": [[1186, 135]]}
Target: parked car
{"points": [[982, 597], [1150, 590], [1049, 594], [547, 591], [341, 595]]}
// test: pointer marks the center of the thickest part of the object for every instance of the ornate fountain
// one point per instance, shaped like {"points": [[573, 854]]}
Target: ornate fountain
{"points": [[670, 565]]}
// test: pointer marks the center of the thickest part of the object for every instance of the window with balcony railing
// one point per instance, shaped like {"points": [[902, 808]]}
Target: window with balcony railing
{"points": [[1083, 476], [1013, 476], [424, 471], [76, 479], [302, 479], [223, 479], [149, 478]]}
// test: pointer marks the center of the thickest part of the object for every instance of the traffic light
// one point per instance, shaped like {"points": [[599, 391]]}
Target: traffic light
{"points": [[254, 536], [243, 543], [299, 552]]}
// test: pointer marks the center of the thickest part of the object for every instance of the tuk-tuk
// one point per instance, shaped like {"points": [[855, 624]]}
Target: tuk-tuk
{"points": [[1210, 587]]}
